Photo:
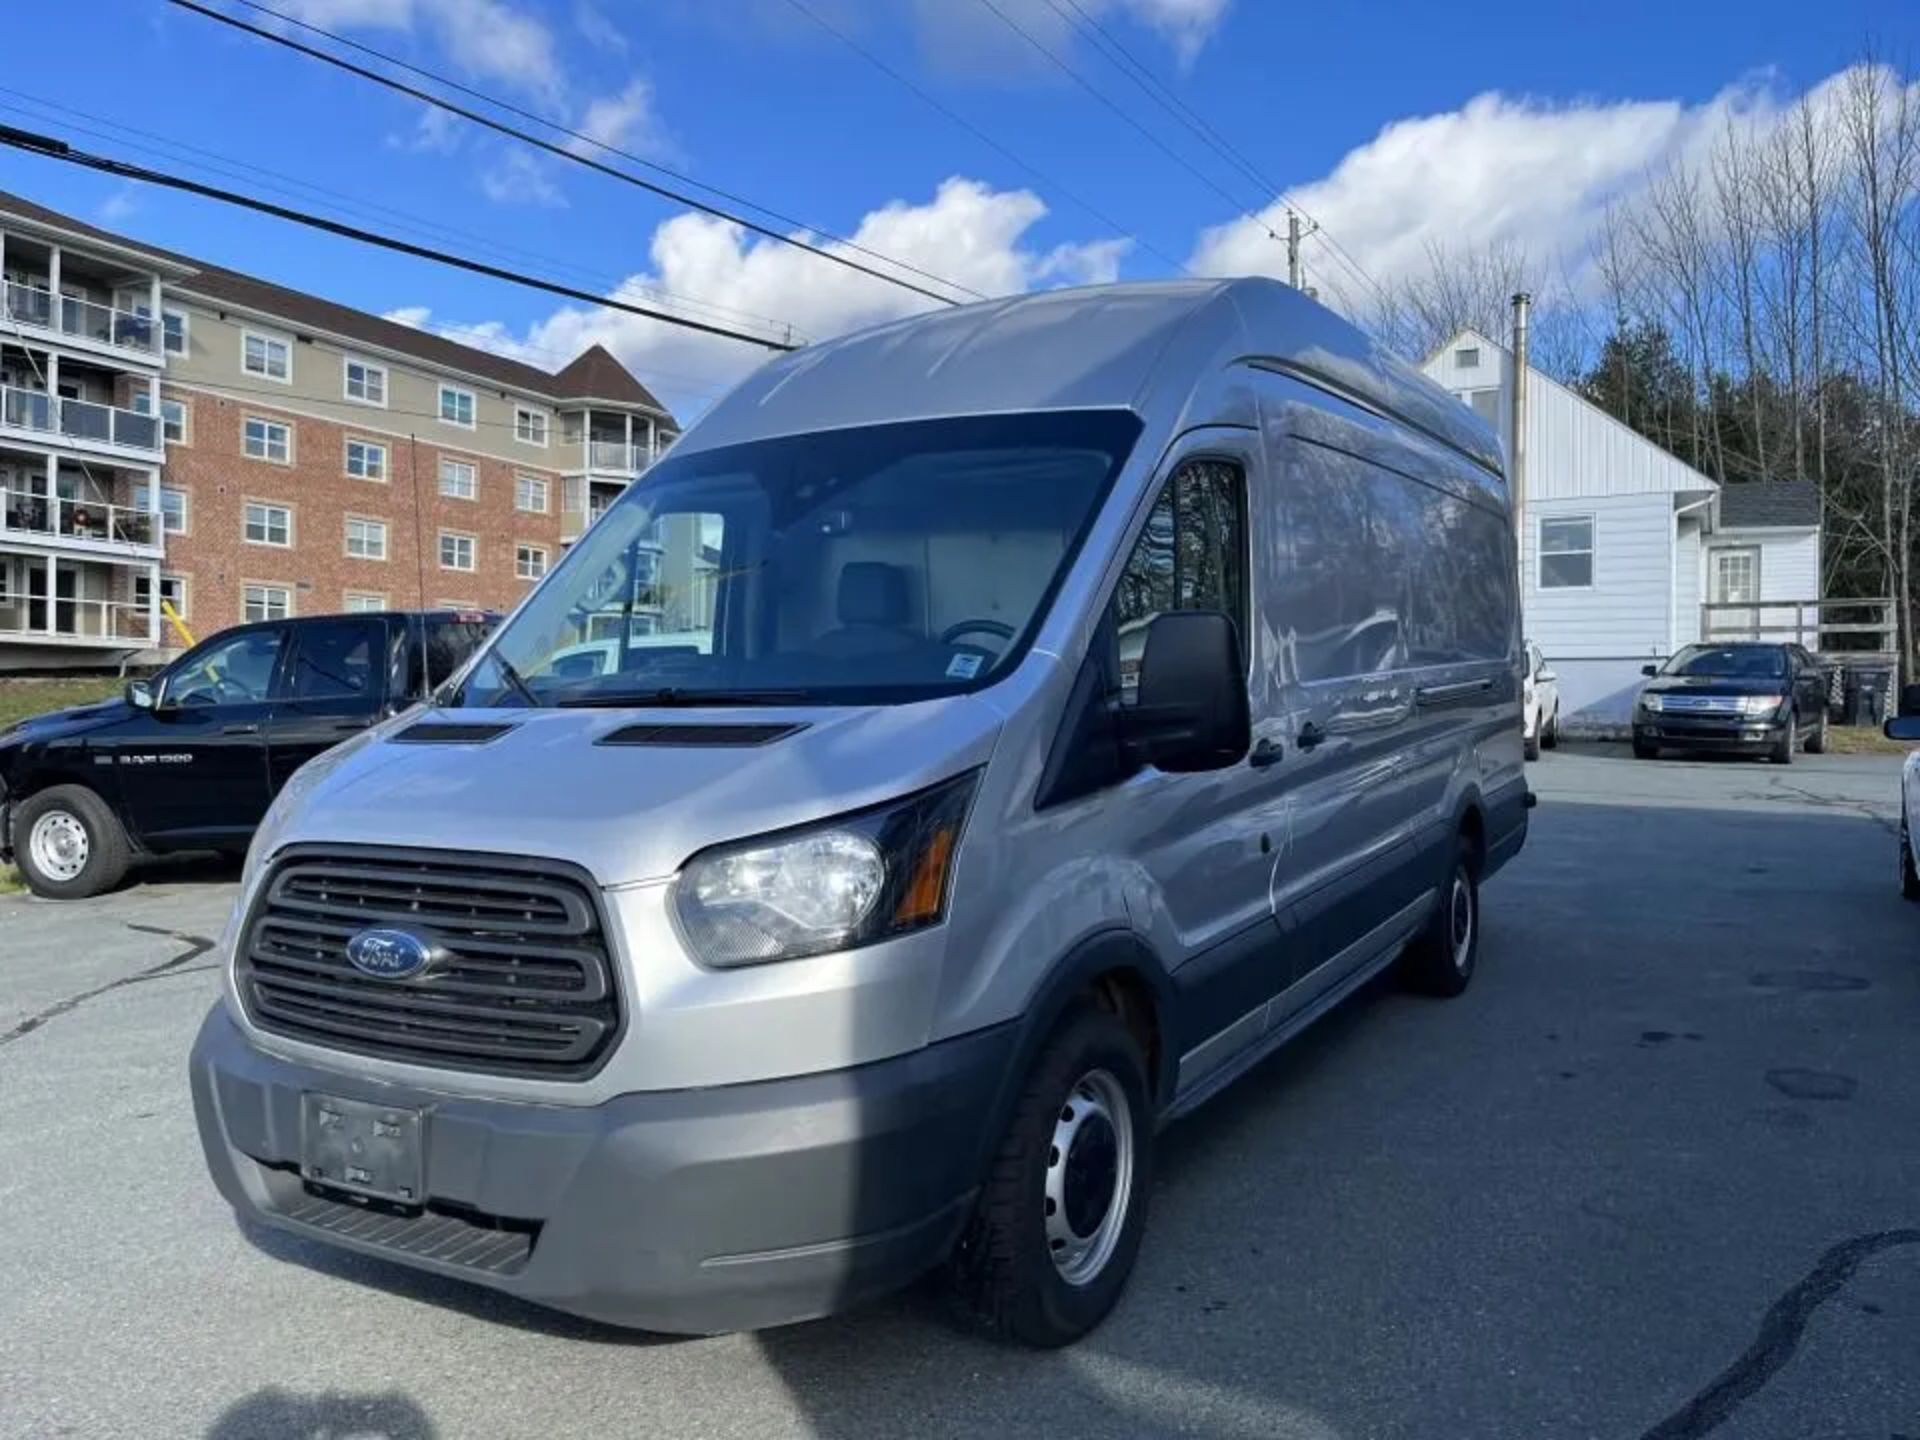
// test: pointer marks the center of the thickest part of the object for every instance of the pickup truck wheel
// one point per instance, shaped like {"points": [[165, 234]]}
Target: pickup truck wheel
{"points": [[69, 845], [1058, 1223], [1909, 876], [1440, 959]]}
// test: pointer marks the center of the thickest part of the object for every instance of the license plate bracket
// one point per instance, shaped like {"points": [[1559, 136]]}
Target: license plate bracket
{"points": [[363, 1148]]}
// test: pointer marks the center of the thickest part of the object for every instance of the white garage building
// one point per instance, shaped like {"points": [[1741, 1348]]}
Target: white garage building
{"points": [[1625, 545]]}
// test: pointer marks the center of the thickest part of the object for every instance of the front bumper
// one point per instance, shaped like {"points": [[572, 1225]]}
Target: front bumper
{"points": [[1734, 734], [691, 1211]]}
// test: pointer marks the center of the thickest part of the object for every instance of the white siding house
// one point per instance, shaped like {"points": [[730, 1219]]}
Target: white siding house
{"points": [[1622, 542]]}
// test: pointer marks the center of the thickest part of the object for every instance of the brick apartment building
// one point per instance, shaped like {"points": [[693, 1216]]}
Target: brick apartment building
{"points": [[170, 428]]}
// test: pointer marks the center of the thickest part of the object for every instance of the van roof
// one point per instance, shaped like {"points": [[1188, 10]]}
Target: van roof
{"points": [[1147, 347]]}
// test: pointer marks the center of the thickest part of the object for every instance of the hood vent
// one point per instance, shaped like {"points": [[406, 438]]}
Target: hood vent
{"points": [[450, 732], [701, 736]]}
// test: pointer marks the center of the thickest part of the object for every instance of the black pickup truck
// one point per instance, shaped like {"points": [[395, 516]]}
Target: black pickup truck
{"points": [[190, 759]]}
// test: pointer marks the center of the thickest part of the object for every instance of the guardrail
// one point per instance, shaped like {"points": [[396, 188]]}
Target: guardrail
{"points": [[86, 319], [1837, 626], [24, 617], [24, 512], [79, 419]]}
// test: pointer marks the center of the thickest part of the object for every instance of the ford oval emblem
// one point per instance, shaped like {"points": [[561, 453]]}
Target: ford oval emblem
{"points": [[389, 954]]}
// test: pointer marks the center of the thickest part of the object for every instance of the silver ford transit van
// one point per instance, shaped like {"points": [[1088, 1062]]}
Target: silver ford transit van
{"points": [[1006, 726]]}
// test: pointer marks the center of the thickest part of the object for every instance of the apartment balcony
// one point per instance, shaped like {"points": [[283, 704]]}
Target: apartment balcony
{"points": [[105, 329], [76, 524], [70, 604], [84, 424]]}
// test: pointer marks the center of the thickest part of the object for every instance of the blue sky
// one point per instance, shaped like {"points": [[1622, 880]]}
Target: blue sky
{"points": [[1513, 121]]}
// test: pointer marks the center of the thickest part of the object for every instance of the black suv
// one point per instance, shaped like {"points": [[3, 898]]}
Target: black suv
{"points": [[1748, 697], [191, 759]]}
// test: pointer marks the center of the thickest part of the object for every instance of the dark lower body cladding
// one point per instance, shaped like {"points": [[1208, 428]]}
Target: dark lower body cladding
{"points": [[693, 1212], [1721, 736]]}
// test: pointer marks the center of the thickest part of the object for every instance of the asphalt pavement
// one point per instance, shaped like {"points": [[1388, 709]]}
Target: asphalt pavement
{"points": [[1656, 1174]]}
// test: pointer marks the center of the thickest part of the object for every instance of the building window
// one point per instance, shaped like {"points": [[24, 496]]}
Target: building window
{"points": [[269, 440], [530, 494], [530, 426], [529, 561], [366, 460], [1485, 404], [456, 406], [1736, 576], [457, 480], [366, 539], [173, 421], [265, 602], [173, 332], [1467, 357], [366, 382], [357, 602], [268, 356], [1566, 552], [456, 551], [173, 508], [268, 524], [173, 590]]}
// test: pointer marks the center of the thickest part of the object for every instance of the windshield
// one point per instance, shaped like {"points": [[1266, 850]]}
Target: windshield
{"points": [[1739, 662], [880, 564]]}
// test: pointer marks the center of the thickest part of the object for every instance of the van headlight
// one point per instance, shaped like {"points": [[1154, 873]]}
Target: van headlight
{"points": [[832, 886]]}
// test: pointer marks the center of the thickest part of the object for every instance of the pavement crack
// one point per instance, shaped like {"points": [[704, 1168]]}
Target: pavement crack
{"points": [[1781, 1330], [1862, 808], [196, 946]]}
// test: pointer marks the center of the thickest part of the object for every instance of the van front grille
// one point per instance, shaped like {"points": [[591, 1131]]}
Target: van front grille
{"points": [[520, 981]]}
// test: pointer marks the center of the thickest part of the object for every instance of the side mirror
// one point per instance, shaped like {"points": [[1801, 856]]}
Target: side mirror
{"points": [[1649, 670], [140, 694], [1192, 699], [1902, 727], [1545, 675]]}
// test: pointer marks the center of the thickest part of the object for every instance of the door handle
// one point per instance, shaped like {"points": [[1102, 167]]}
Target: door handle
{"points": [[1443, 694], [1267, 752], [351, 724], [1310, 736], [239, 729]]}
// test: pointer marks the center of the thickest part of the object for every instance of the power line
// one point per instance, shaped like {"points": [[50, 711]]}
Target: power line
{"points": [[499, 127], [981, 135], [56, 149]]}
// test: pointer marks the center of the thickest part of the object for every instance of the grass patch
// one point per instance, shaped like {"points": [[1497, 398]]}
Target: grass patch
{"points": [[10, 881], [20, 699], [1862, 740]]}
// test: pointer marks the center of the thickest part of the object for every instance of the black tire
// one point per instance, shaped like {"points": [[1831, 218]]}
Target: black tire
{"points": [[1645, 749], [1909, 877], [1440, 960], [1530, 746], [1782, 753], [1817, 738], [1004, 1266], [92, 833], [1551, 740]]}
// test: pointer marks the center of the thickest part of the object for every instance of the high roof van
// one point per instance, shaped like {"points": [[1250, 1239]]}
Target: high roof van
{"points": [[1061, 702]]}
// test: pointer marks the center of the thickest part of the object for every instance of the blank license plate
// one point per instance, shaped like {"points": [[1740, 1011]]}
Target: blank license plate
{"points": [[364, 1149]]}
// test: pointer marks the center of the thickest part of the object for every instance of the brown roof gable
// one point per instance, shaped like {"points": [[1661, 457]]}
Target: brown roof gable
{"points": [[594, 375]]}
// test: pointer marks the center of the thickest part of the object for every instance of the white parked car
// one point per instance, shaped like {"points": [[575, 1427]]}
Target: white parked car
{"points": [[1540, 699], [1907, 727]]}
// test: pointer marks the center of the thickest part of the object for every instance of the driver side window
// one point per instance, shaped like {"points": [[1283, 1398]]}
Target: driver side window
{"points": [[1191, 556], [238, 671]]}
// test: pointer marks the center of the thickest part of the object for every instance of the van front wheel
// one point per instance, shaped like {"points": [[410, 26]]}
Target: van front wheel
{"points": [[1058, 1223]]}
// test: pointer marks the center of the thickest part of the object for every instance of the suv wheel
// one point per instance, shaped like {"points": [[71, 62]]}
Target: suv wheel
{"points": [[1909, 877], [68, 844], [1058, 1223], [1817, 739], [1782, 753], [1440, 959]]}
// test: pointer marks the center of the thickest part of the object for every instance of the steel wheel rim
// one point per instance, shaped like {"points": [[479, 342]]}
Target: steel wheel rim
{"points": [[1089, 1181], [59, 845], [1460, 921]]}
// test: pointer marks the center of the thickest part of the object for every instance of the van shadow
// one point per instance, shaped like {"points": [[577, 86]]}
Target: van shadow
{"points": [[274, 1414]]}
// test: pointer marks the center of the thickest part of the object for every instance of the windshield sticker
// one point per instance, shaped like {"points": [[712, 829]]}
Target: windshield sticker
{"points": [[964, 667]]}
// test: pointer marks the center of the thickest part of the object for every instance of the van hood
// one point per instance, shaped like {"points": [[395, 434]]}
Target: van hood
{"points": [[548, 786]]}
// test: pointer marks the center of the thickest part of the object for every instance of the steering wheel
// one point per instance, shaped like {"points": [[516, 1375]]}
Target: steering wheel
{"points": [[966, 627]]}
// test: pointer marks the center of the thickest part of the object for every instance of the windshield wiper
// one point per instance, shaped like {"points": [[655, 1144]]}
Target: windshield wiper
{"points": [[516, 681], [672, 695]]}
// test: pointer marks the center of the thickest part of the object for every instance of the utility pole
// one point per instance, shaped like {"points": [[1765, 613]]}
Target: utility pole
{"points": [[1517, 441], [1293, 249]]}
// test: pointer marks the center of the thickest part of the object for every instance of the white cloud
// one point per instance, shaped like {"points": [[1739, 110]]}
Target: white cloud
{"points": [[414, 317], [624, 121], [517, 178], [592, 22], [340, 14], [488, 39], [969, 233], [434, 132], [971, 38], [118, 206]]}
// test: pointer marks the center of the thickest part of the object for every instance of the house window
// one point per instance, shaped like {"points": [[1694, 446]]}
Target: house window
{"points": [[366, 539], [173, 590], [357, 602], [1467, 357], [268, 440], [1485, 404], [366, 460], [173, 421], [456, 551], [173, 332], [366, 382], [529, 561], [530, 494], [268, 524], [173, 508], [1566, 552], [265, 602], [1736, 576], [457, 480], [269, 356], [456, 406], [530, 426]]}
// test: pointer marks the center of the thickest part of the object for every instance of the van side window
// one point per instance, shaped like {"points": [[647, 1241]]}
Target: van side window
{"points": [[1191, 556]]}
